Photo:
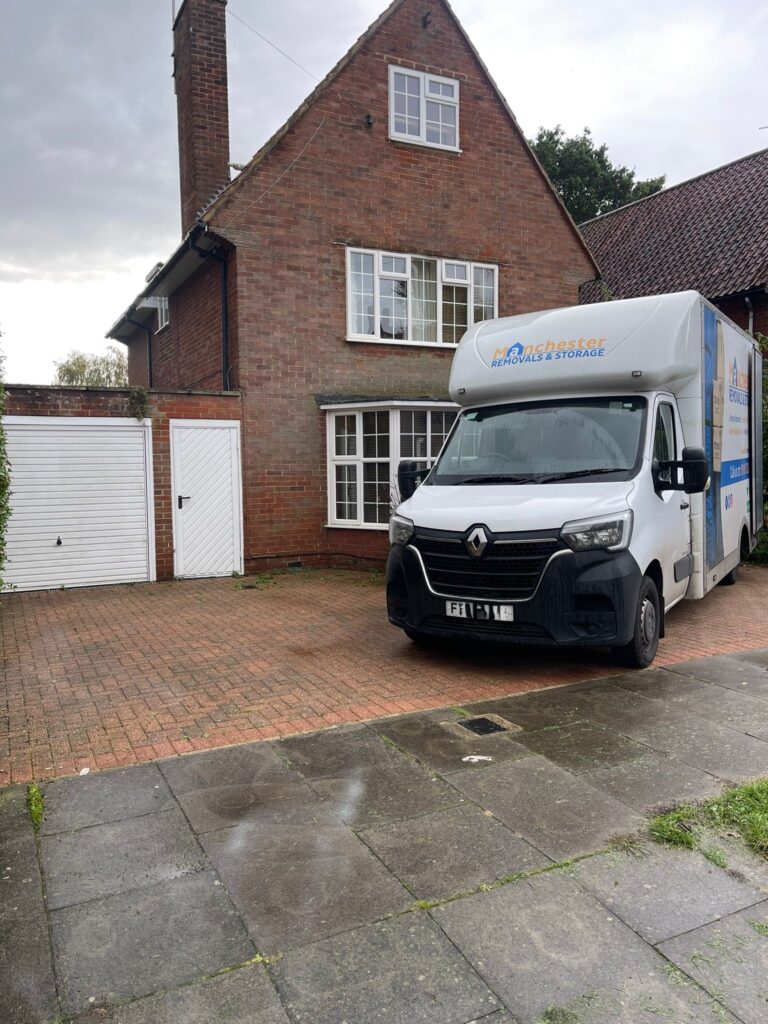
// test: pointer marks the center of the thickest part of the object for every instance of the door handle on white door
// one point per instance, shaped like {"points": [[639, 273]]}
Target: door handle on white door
{"points": [[182, 498], [685, 504]]}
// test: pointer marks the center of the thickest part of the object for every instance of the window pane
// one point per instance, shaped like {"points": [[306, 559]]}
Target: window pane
{"points": [[362, 317], [406, 101], [484, 305], [440, 425], [345, 435], [424, 300], [394, 264], [454, 312], [455, 271], [441, 123], [413, 434], [375, 435], [346, 492], [394, 309], [376, 492]]}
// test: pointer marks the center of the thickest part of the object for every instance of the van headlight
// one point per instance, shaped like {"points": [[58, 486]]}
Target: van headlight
{"points": [[611, 534], [400, 530]]}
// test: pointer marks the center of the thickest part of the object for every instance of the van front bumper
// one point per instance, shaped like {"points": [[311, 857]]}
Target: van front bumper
{"points": [[582, 598]]}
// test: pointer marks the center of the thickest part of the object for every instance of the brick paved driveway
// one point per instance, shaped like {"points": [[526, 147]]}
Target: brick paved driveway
{"points": [[112, 676]]}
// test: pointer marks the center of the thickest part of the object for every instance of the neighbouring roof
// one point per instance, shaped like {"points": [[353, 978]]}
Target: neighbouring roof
{"points": [[376, 399], [709, 234]]}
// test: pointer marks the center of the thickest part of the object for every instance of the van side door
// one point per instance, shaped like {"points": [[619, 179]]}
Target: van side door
{"points": [[673, 518]]}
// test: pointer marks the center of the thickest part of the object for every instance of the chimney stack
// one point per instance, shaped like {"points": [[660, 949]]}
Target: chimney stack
{"points": [[200, 70]]}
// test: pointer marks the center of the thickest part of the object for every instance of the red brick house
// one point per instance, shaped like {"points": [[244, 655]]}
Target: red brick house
{"points": [[709, 233], [330, 281]]}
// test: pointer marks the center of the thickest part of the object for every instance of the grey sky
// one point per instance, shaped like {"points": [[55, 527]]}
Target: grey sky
{"points": [[88, 164]]}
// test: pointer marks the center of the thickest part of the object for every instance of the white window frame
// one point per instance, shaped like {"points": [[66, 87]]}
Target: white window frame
{"points": [[424, 77], [163, 312], [394, 459], [378, 274]]}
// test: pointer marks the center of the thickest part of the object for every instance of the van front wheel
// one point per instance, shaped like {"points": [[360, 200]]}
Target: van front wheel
{"points": [[641, 649]]}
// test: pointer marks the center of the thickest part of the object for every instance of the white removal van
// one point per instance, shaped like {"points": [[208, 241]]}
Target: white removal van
{"points": [[606, 464]]}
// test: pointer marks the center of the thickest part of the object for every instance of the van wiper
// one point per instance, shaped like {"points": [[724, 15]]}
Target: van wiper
{"points": [[581, 472], [498, 478]]}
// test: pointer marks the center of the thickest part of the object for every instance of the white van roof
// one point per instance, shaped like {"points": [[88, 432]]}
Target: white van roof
{"points": [[643, 344]]}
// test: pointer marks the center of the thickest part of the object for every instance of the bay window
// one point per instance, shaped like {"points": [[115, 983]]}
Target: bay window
{"points": [[416, 300], [366, 445]]}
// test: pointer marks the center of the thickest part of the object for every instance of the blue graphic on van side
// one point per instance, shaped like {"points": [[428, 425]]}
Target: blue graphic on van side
{"points": [[735, 470], [714, 526]]}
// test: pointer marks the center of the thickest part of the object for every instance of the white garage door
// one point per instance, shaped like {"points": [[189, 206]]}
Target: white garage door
{"points": [[81, 502]]}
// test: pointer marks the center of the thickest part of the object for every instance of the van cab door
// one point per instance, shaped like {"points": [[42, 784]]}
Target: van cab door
{"points": [[672, 520]]}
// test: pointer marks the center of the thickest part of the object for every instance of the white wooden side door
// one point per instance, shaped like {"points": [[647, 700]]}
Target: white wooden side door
{"points": [[207, 497]]}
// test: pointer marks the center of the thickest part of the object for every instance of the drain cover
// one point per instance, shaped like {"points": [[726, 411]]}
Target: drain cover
{"points": [[482, 726]]}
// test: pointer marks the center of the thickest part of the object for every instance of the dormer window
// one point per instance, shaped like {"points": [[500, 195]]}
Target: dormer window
{"points": [[423, 109]]}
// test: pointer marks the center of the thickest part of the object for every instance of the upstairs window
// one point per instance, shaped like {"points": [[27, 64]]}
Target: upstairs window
{"points": [[416, 299], [163, 312], [423, 108]]}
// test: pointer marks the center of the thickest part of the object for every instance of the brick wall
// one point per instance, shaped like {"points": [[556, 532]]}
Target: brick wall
{"points": [[353, 186], [164, 406], [737, 310]]}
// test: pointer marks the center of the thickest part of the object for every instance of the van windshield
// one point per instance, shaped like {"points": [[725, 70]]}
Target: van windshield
{"points": [[545, 442]]}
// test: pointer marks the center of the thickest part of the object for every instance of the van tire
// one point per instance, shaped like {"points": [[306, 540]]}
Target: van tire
{"points": [[641, 649], [730, 577]]}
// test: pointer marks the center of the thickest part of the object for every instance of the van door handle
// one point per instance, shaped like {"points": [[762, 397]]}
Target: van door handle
{"points": [[683, 504], [182, 498]]}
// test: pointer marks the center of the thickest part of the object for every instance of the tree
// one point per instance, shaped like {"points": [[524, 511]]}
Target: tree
{"points": [[588, 183], [88, 369]]}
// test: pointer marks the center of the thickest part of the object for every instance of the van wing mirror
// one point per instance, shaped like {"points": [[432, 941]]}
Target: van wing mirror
{"points": [[695, 470], [409, 476]]}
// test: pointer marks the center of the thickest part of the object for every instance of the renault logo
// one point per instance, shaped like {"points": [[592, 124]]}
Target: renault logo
{"points": [[477, 542]]}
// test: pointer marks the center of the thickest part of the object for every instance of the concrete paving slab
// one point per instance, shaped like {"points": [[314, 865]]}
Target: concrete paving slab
{"points": [[662, 892], [543, 944], [242, 996], [118, 856], [758, 657], [654, 783], [451, 851], [729, 959], [427, 739], [712, 747], [740, 711], [20, 887], [27, 987], [254, 764], [222, 806], [559, 813], [324, 754], [384, 792], [15, 822], [136, 943], [583, 746], [396, 972], [103, 796], [728, 671], [295, 884], [534, 710]]}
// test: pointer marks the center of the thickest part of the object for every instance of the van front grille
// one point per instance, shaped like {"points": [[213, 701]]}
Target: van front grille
{"points": [[509, 569]]}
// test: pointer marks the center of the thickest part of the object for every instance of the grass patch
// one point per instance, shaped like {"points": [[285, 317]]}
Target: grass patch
{"points": [[35, 805], [558, 1015], [716, 856], [743, 810], [761, 927]]}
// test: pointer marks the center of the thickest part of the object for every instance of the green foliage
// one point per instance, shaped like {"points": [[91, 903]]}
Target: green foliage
{"points": [[138, 403], [588, 183], [86, 369], [743, 810], [5, 479], [35, 805]]}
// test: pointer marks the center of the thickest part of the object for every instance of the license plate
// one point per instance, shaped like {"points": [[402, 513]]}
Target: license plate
{"points": [[480, 610]]}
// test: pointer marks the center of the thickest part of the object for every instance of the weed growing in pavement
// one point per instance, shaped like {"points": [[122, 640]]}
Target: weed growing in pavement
{"points": [[629, 844], [761, 927], [716, 856], [35, 805], [742, 810], [558, 1015]]}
